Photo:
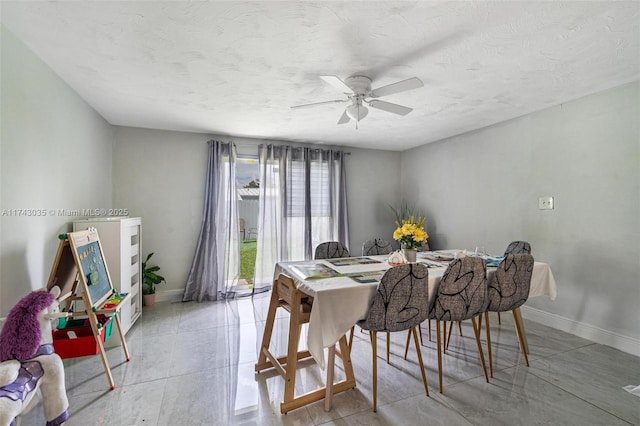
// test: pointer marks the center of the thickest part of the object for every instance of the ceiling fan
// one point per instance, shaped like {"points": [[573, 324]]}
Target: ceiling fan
{"points": [[358, 90]]}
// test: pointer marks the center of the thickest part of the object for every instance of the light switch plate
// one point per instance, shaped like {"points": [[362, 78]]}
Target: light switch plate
{"points": [[545, 203]]}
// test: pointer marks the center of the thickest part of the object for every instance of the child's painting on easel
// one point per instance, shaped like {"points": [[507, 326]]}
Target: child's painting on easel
{"points": [[94, 270]]}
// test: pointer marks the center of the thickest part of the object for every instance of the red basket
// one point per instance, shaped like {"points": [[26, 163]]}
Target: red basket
{"points": [[84, 344]]}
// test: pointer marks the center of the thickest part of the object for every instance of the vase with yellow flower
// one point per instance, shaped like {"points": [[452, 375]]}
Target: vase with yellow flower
{"points": [[410, 234]]}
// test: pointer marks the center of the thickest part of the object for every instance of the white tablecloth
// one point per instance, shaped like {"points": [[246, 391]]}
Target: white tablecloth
{"points": [[339, 302]]}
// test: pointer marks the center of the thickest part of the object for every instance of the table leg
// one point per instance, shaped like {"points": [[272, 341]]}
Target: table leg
{"points": [[329, 386]]}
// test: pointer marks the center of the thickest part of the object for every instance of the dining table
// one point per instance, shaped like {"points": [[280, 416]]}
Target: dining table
{"points": [[342, 290]]}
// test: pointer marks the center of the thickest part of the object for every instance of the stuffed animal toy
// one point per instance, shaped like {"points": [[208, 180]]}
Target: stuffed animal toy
{"points": [[29, 368], [397, 258]]}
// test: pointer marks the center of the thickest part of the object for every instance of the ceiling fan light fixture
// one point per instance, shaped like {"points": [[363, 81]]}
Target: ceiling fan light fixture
{"points": [[357, 112]]}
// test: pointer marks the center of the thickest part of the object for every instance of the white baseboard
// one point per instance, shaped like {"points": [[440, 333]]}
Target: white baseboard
{"points": [[615, 340]]}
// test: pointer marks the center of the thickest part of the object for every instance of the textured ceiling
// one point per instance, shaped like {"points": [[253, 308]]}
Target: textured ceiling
{"points": [[235, 68]]}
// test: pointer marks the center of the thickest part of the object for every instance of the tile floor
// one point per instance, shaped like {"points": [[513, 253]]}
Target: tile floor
{"points": [[192, 364]]}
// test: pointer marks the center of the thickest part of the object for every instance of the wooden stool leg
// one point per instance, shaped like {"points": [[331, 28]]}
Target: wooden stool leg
{"points": [[292, 352], [353, 330], [268, 330]]}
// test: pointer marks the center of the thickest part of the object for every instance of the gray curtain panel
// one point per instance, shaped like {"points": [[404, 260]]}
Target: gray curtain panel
{"points": [[216, 264], [303, 202]]}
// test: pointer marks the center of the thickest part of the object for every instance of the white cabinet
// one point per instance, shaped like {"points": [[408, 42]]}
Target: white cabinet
{"points": [[121, 239]]}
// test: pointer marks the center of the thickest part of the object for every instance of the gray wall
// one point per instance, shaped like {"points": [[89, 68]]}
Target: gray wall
{"points": [[482, 188], [55, 154], [372, 187], [159, 175]]}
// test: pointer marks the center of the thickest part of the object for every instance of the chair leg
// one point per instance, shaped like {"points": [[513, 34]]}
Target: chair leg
{"points": [[424, 374], [448, 339], [444, 337], [476, 330], [439, 353], [374, 344], [429, 332], [518, 313], [460, 327], [420, 333], [388, 345], [406, 346], [499, 319], [521, 337], [488, 329]]}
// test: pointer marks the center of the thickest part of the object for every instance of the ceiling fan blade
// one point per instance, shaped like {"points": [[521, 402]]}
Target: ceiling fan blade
{"points": [[344, 118], [401, 86], [389, 107], [337, 83], [335, 101]]}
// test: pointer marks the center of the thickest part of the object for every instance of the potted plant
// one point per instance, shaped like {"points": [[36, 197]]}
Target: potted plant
{"points": [[150, 280], [410, 232]]}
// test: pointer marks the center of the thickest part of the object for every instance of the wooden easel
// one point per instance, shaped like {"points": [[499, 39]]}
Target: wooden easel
{"points": [[79, 269]]}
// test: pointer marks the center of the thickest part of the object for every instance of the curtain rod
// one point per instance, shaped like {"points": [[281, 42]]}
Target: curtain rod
{"points": [[246, 144]]}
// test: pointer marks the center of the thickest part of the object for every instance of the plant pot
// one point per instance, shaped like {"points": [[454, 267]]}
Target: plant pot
{"points": [[148, 299], [410, 254]]}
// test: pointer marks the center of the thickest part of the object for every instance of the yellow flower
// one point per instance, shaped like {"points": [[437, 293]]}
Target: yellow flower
{"points": [[420, 235], [411, 232], [397, 234]]}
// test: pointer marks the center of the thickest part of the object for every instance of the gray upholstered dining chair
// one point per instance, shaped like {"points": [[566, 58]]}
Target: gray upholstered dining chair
{"points": [[331, 250], [462, 295], [517, 247], [400, 303], [376, 246], [508, 290], [424, 246]]}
